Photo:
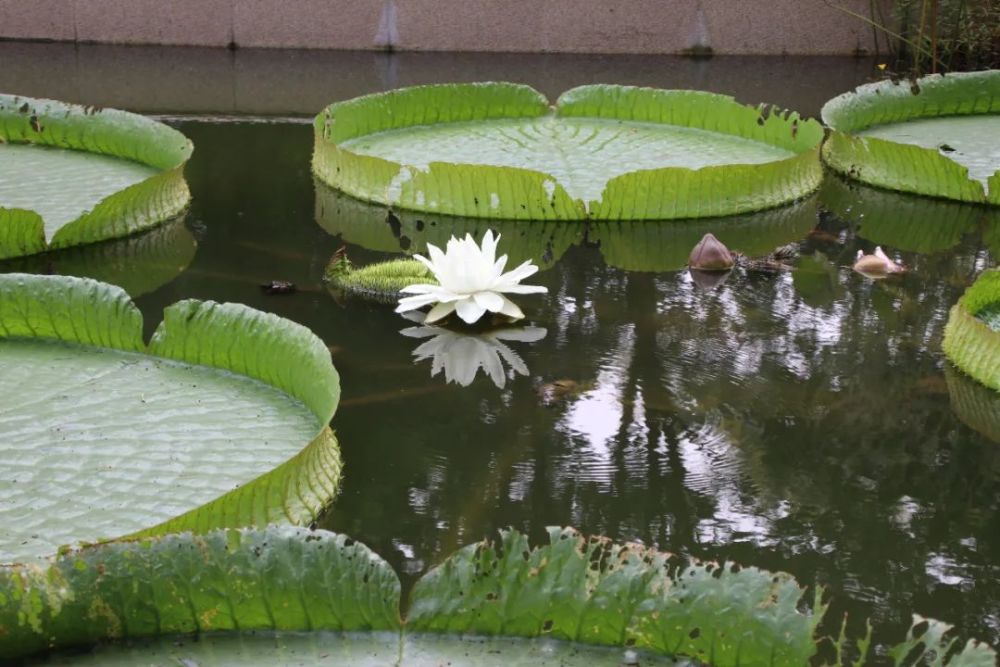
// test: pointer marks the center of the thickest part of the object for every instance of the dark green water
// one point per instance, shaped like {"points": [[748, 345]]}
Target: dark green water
{"points": [[803, 421]]}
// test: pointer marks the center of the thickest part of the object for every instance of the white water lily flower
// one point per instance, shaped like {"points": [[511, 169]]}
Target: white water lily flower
{"points": [[462, 355], [472, 282]]}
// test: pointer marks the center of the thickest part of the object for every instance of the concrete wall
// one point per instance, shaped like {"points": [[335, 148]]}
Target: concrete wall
{"points": [[595, 26]]}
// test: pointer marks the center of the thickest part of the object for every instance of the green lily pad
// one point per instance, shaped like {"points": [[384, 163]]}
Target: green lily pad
{"points": [[991, 316], [245, 592], [927, 136], [960, 138], [71, 175], [375, 227], [496, 150], [972, 335], [221, 421], [139, 264]]}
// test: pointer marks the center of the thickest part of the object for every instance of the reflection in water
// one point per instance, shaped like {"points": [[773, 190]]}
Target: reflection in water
{"points": [[666, 246], [140, 264], [901, 221], [376, 227], [795, 420], [461, 355]]}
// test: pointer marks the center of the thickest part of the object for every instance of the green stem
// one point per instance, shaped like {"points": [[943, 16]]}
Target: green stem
{"points": [[896, 35]]}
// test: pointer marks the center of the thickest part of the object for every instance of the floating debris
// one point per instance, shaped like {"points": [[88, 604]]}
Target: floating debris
{"points": [[278, 287], [877, 265]]}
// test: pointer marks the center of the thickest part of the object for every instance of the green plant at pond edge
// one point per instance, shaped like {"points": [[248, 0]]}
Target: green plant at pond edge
{"points": [[156, 153], [111, 436], [934, 35], [586, 590]]}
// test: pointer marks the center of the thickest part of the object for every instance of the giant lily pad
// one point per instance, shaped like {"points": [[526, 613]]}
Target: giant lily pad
{"points": [[496, 150], [221, 421], [71, 175], [590, 592], [972, 335], [930, 136]]}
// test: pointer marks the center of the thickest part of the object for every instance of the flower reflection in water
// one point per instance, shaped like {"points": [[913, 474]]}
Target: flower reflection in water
{"points": [[461, 355]]}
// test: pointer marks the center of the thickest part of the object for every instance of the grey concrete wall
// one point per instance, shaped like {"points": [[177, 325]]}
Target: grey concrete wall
{"points": [[595, 26]]}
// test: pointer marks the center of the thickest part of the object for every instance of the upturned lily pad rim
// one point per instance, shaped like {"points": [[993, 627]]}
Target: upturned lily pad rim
{"points": [[969, 343], [111, 132], [906, 167], [587, 590], [490, 191], [229, 337]]}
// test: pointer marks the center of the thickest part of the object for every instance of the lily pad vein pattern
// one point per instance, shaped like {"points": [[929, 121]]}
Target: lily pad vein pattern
{"points": [[972, 141], [101, 443], [581, 154], [61, 184]]}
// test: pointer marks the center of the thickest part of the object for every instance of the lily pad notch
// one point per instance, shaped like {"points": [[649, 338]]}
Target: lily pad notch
{"points": [[87, 317], [109, 132], [603, 152], [899, 135]]}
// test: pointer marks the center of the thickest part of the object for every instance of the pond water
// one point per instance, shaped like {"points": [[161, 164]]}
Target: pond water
{"points": [[803, 421]]}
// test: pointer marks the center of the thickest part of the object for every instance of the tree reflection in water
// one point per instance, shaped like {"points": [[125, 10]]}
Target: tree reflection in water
{"points": [[797, 421]]}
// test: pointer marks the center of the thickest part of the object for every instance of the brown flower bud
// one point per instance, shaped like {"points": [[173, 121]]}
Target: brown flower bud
{"points": [[711, 255]]}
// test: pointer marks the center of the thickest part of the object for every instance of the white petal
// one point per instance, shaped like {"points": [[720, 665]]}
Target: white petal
{"points": [[491, 301], [469, 310], [511, 310], [426, 262], [523, 289], [440, 311], [414, 302], [445, 296], [420, 288], [490, 246], [520, 273], [438, 258]]}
